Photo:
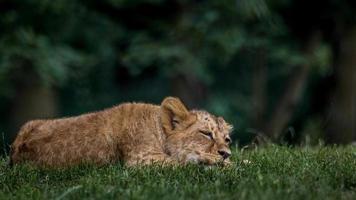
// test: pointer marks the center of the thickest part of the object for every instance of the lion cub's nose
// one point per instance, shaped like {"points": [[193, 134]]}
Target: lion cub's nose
{"points": [[224, 153]]}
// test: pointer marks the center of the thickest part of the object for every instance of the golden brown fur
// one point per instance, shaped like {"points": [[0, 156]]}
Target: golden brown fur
{"points": [[135, 133]]}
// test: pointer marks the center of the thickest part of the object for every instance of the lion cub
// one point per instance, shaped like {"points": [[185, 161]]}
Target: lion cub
{"points": [[135, 133]]}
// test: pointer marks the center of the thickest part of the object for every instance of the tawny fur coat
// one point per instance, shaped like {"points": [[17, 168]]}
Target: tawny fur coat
{"points": [[135, 133]]}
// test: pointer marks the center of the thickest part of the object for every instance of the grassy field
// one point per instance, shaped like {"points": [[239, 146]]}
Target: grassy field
{"points": [[273, 173]]}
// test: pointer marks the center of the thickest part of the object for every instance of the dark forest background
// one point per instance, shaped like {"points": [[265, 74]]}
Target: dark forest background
{"points": [[279, 70]]}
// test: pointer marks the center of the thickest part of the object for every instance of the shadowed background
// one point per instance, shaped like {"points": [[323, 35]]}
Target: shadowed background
{"points": [[278, 70]]}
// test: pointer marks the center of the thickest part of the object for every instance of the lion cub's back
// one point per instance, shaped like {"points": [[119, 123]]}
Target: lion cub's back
{"points": [[64, 141], [93, 137]]}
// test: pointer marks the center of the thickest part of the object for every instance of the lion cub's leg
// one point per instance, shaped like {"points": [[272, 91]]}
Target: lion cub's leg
{"points": [[201, 158], [150, 158]]}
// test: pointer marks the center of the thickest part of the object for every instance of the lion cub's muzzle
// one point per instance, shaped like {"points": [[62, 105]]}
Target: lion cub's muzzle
{"points": [[225, 153]]}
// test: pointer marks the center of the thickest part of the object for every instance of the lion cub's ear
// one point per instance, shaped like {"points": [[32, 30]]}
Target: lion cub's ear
{"points": [[175, 114]]}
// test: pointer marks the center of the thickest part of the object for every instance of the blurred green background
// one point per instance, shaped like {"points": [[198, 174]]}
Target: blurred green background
{"points": [[279, 70]]}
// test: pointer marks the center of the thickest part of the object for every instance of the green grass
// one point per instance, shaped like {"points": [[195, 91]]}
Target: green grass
{"points": [[274, 173]]}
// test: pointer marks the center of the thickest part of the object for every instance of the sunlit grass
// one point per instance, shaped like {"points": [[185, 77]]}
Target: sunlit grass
{"points": [[265, 173]]}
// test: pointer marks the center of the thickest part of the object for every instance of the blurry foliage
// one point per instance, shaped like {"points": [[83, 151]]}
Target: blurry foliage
{"points": [[98, 53]]}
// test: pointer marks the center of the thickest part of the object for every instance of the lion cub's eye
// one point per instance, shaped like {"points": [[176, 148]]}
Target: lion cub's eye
{"points": [[207, 133], [228, 140]]}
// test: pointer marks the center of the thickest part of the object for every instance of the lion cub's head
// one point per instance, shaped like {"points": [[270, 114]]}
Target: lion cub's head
{"points": [[195, 135]]}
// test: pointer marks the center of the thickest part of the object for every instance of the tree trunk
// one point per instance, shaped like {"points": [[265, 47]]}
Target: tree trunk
{"points": [[342, 112], [33, 100], [259, 88], [293, 92]]}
